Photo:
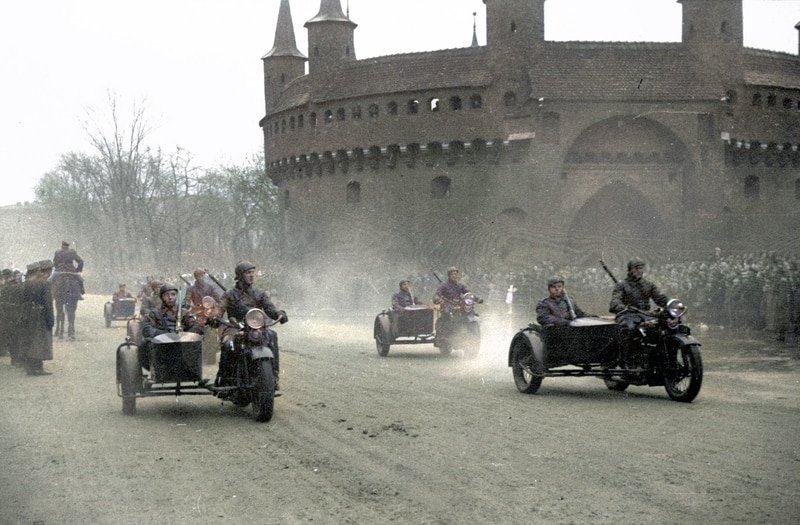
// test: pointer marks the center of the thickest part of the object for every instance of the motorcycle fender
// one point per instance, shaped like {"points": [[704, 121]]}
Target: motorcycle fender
{"points": [[535, 342], [261, 352], [679, 340]]}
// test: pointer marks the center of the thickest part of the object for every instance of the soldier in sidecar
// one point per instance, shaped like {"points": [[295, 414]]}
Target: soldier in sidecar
{"points": [[408, 322], [121, 306]]}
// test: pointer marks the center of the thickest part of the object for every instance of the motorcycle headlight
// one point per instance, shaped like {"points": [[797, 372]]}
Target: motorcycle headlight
{"points": [[469, 299], [676, 308], [208, 302], [255, 318]]}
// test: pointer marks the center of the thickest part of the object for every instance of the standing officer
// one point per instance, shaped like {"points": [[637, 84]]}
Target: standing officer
{"points": [[38, 309], [6, 311], [11, 305]]}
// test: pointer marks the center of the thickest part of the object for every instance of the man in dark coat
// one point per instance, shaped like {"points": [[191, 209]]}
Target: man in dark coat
{"points": [[637, 292], [66, 260], [400, 301], [236, 302], [449, 293], [164, 320], [11, 302], [7, 313], [448, 297], [404, 298], [557, 309], [38, 310]]}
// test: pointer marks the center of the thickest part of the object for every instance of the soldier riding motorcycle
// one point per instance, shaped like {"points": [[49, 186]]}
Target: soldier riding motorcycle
{"points": [[237, 303], [457, 325]]}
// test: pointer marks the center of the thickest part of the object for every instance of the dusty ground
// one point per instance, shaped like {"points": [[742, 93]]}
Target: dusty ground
{"points": [[410, 438]]}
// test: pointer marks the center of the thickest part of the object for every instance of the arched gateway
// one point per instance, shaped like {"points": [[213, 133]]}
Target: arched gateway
{"points": [[629, 181]]}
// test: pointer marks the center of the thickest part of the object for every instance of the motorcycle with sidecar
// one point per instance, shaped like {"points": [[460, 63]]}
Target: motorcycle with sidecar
{"points": [[664, 353], [176, 368], [457, 328], [124, 308]]}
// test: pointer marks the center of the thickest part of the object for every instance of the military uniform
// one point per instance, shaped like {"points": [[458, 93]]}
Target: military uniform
{"points": [[66, 260], [37, 310], [557, 311], [164, 320], [402, 300], [7, 313], [236, 302], [636, 293]]}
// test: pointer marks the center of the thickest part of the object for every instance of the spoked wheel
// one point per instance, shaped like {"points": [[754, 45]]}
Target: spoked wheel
{"points": [[524, 365], [683, 373], [264, 391], [129, 375]]}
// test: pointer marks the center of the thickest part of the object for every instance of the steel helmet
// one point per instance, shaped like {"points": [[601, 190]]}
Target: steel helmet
{"points": [[243, 267], [633, 263], [166, 287]]}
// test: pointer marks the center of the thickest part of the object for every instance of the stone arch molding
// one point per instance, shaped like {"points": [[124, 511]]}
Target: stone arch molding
{"points": [[627, 181]]}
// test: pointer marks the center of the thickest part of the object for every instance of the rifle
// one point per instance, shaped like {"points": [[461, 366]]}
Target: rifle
{"points": [[608, 271], [437, 277], [216, 281], [185, 280]]}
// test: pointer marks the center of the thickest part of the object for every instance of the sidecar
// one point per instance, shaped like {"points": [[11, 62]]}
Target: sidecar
{"points": [[176, 369], [122, 309], [412, 326], [588, 347]]}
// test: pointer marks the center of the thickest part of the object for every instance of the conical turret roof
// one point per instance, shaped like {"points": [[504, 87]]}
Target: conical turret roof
{"points": [[330, 11], [285, 43]]}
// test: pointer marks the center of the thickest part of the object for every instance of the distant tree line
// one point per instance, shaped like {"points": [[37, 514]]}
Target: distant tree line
{"points": [[136, 207]]}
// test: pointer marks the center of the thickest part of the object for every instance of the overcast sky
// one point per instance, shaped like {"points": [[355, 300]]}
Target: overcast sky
{"points": [[196, 63]]}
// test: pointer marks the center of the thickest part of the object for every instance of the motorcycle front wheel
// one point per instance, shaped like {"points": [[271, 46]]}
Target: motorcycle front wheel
{"points": [[683, 373], [263, 391]]}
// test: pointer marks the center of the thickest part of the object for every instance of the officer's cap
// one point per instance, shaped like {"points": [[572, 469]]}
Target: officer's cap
{"points": [[451, 270], [553, 280], [64, 243]]}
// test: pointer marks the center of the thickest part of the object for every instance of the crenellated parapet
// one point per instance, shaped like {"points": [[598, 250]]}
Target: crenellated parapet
{"points": [[389, 157]]}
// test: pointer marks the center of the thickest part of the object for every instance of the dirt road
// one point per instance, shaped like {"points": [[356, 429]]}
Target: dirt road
{"points": [[410, 438]]}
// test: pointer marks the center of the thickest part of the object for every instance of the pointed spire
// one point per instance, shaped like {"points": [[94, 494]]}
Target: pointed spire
{"points": [[474, 30], [331, 11], [285, 43]]}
